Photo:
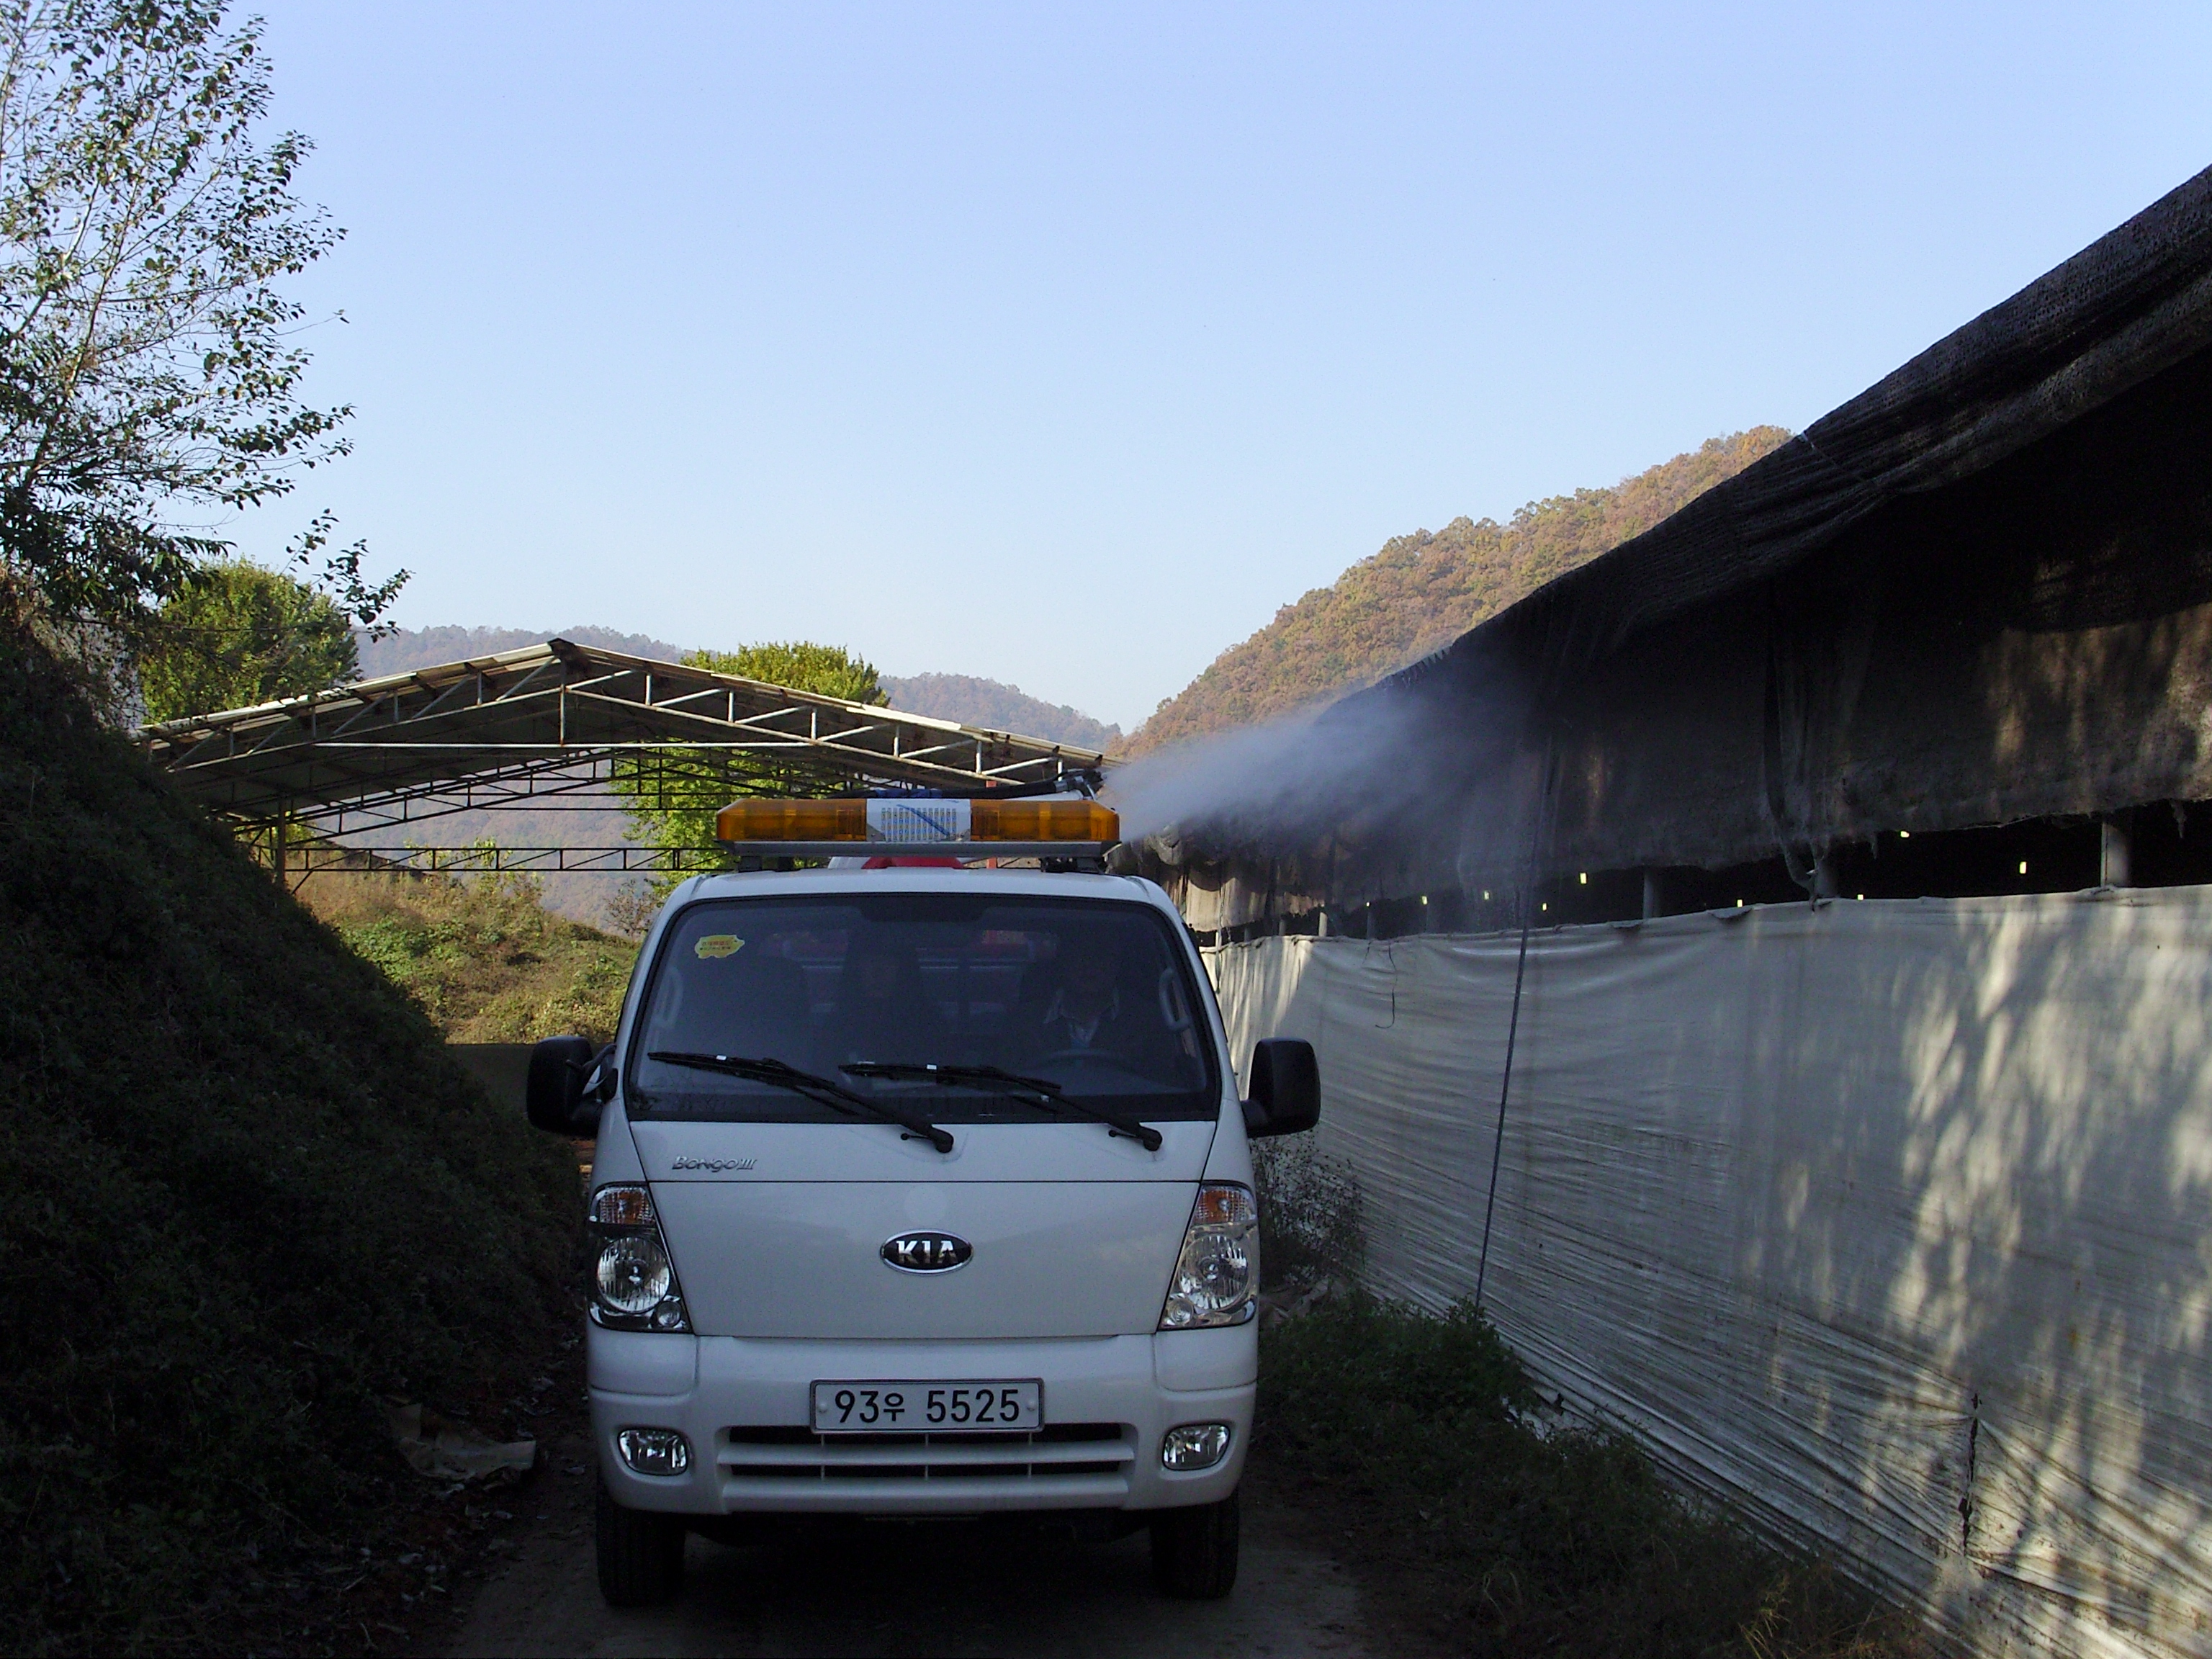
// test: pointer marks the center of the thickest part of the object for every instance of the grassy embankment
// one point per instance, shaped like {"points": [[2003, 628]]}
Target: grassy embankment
{"points": [[246, 1199], [1486, 1524]]}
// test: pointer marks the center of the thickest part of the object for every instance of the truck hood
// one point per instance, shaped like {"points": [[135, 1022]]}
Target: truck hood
{"points": [[777, 1230]]}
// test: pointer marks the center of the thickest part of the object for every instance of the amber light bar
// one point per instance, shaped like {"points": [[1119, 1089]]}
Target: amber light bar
{"points": [[1030, 826], [1042, 820], [792, 820]]}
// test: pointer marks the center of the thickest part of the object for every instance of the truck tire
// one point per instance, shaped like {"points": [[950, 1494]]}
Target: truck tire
{"points": [[1195, 1551], [641, 1555]]}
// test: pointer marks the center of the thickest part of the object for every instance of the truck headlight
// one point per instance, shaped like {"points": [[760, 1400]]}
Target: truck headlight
{"points": [[1194, 1446], [1218, 1274], [633, 1275], [633, 1284], [654, 1451]]}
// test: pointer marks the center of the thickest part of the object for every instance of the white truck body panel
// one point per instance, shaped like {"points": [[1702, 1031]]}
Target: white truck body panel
{"points": [[776, 1232]]}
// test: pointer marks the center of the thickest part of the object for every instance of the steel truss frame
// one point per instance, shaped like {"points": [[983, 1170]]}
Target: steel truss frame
{"points": [[548, 725], [310, 858]]}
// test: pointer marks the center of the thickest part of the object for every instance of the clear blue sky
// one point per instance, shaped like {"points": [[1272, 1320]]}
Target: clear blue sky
{"points": [[1062, 345]]}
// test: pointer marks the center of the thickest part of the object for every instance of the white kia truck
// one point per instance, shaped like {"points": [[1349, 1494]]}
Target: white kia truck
{"points": [[921, 1190]]}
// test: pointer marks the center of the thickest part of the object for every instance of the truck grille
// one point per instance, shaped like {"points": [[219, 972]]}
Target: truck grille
{"points": [[1075, 1464]]}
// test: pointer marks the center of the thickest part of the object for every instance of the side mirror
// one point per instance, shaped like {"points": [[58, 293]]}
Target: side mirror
{"points": [[1286, 1088], [554, 1096]]}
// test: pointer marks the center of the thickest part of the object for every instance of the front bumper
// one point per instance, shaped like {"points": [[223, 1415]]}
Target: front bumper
{"points": [[742, 1404]]}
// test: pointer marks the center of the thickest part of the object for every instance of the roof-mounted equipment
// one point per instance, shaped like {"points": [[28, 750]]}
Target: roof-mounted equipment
{"points": [[1065, 826]]}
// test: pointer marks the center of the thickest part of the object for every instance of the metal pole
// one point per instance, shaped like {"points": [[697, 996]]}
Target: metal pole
{"points": [[1513, 1024], [1824, 874], [2112, 854]]}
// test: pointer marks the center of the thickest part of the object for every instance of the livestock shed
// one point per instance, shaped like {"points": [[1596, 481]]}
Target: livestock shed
{"points": [[1774, 962]]}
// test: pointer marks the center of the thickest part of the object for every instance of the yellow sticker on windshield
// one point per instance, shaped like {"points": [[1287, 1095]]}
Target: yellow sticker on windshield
{"points": [[718, 945]]}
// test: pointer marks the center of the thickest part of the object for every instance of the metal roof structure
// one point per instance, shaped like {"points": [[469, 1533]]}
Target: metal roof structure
{"points": [[547, 726]]}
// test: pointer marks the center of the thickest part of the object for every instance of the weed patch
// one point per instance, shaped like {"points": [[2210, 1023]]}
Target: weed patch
{"points": [[481, 955], [1311, 1222], [1498, 1530]]}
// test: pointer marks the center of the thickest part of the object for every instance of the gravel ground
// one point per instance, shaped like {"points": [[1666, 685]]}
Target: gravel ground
{"points": [[898, 1589]]}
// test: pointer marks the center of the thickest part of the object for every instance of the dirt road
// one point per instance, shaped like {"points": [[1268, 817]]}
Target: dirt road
{"points": [[918, 1590]]}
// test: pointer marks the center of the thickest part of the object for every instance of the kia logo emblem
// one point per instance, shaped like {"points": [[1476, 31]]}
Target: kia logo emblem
{"points": [[928, 1253]]}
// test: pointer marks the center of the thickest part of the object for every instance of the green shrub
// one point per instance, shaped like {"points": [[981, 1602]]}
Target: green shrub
{"points": [[243, 1196]]}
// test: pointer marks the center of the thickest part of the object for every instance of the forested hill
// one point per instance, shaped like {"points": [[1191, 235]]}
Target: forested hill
{"points": [[999, 707], [1422, 590]]}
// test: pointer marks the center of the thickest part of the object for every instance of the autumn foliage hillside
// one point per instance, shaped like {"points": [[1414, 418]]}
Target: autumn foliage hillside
{"points": [[1422, 590]]}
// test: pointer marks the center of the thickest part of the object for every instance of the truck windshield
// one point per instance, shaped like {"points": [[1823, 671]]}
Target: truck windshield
{"points": [[1095, 997]]}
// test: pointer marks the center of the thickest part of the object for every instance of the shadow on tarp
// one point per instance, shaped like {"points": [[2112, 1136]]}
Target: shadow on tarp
{"points": [[1890, 1224]]}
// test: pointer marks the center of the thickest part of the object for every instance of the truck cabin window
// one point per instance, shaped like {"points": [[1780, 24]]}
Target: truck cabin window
{"points": [[1094, 996]]}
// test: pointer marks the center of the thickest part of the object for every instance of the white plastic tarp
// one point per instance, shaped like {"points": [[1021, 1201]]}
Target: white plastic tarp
{"points": [[1889, 1222]]}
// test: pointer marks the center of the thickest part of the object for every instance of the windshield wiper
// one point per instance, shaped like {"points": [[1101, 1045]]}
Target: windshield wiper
{"points": [[1046, 1093], [827, 1091]]}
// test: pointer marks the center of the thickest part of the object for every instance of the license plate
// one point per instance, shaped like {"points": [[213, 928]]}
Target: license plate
{"points": [[927, 1407]]}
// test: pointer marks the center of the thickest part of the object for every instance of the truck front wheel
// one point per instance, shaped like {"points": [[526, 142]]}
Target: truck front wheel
{"points": [[641, 1555], [1195, 1551]]}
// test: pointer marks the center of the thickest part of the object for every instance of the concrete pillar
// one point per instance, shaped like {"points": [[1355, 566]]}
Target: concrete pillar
{"points": [[1654, 902], [2112, 861]]}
